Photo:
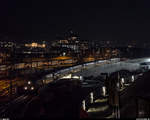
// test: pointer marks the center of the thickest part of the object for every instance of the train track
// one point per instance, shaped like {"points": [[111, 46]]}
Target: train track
{"points": [[8, 109]]}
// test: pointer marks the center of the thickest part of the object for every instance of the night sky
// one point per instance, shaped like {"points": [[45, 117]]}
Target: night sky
{"points": [[103, 20]]}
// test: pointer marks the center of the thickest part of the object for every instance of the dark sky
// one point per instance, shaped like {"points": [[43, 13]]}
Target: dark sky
{"points": [[104, 20]]}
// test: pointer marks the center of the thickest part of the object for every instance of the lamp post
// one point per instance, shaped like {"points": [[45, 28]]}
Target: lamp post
{"points": [[118, 104], [113, 91]]}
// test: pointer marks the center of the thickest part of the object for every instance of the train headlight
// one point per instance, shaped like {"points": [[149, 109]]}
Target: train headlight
{"points": [[32, 88], [29, 82], [25, 87]]}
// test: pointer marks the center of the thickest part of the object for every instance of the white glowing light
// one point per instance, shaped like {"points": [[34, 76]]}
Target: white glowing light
{"points": [[25, 88], [91, 97], [104, 90], [49, 75], [83, 105], [32, 88], [64, 53], [99, 109], [68, 76], [118, 85], [77, 77], [132, 78], [29, 82], [147, 60], [81, 78], [122, 80]]}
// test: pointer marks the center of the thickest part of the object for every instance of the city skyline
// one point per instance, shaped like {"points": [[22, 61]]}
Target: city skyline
{"points": [[74, 59], [111, 20]]}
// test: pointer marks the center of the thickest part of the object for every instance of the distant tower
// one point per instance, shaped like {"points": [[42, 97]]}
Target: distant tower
{"points": [[71, 35]]}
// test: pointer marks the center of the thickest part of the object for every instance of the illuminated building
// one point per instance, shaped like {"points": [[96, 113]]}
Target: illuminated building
{"points": [[4, 44], [72, 42], [35, 45]]}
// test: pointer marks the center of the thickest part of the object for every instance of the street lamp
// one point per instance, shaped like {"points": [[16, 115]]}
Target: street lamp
{"points": [[132, 78], [81, 78], [83, 105], [64, 54], [104, 90], [91, 97], [122, 80]]}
